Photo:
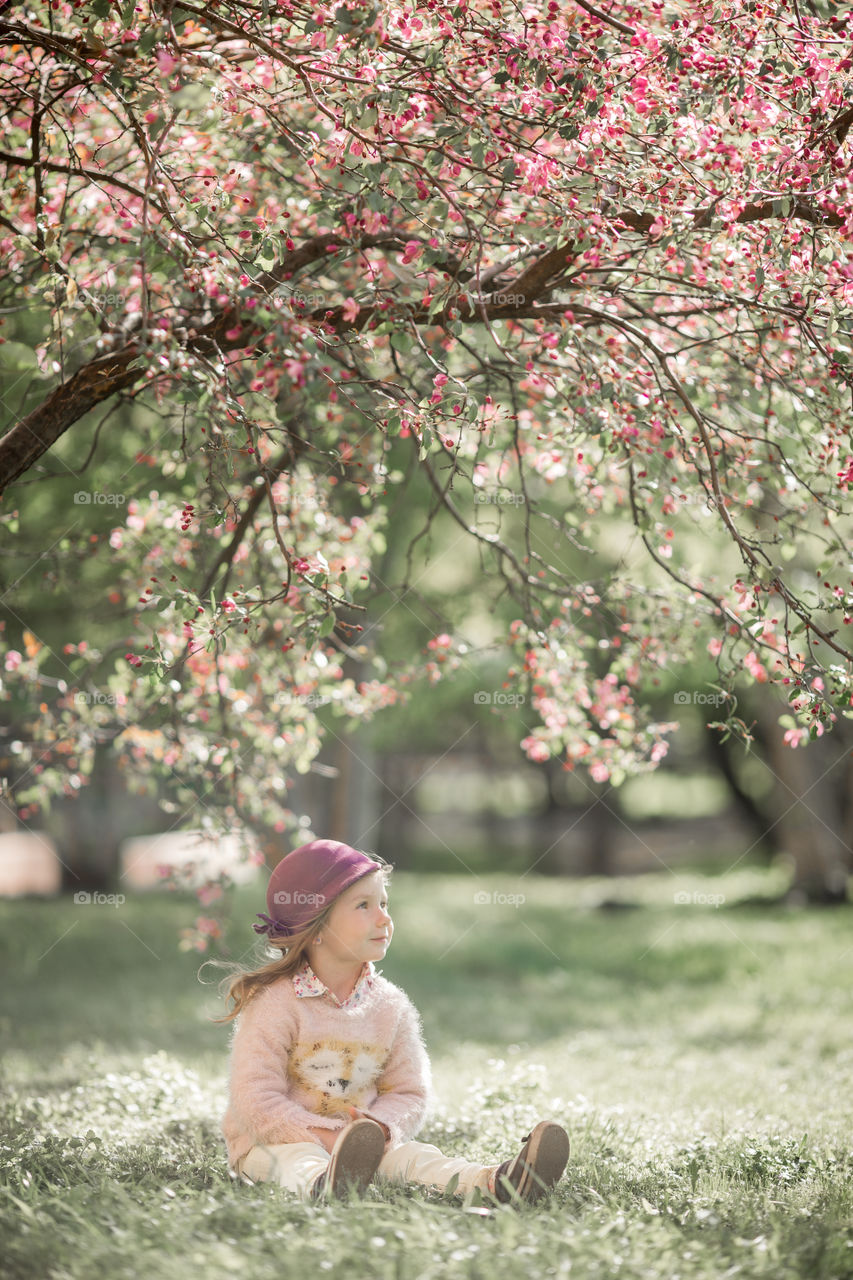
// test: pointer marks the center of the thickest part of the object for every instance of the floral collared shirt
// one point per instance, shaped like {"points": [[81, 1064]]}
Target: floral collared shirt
{"points": [[306, 983]]}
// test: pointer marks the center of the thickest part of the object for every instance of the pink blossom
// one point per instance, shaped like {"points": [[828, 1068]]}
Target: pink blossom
{"points": [[411, 250], [208, 893], [13, 660], [535, 749], [166, 62], [755, 669], [208, 926]]}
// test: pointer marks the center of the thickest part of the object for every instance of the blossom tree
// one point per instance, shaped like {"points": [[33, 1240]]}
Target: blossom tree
{"points": [[578, 267]]}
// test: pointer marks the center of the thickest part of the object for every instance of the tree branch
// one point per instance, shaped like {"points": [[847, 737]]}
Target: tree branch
{"points": [[29, 439], [35, 434], [754, 211], [605, 17]]}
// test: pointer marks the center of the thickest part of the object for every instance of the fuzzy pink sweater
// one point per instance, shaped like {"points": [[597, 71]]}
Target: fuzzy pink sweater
{"points": [[300, 1059]]}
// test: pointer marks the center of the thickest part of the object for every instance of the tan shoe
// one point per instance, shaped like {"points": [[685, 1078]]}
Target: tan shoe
{"points": [[537, 1168], [355, 1158]]}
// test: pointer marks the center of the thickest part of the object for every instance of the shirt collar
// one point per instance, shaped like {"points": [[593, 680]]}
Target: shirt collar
{"points": [[306, 983]]}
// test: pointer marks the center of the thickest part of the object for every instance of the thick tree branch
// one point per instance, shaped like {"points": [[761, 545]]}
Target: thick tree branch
{"points": [[106, 375], [104, 177], [754, 211], [21, 447], [25, 443]]}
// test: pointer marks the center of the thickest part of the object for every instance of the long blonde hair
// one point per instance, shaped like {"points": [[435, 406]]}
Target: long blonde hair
{"points": [[242, 985]]}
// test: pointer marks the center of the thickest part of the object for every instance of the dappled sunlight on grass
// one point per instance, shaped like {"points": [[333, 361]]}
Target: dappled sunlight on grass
{"points": [[698, 1056]]}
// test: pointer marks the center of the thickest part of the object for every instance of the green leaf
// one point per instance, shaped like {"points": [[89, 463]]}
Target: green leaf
{"points": [[147, 41], [426, 443], [192, 97], [266, 255], [328, 625], [17, 355]]}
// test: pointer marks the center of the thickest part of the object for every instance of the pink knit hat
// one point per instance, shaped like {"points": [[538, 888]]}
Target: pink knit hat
{"points": [[307, 881]]}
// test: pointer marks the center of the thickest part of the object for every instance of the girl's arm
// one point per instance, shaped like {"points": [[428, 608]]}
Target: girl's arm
{"points": [[259, 1089], [403, 1090]]}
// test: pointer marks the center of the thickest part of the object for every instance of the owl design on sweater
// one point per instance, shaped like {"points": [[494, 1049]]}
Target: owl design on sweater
{"points": [[336, 1074]]}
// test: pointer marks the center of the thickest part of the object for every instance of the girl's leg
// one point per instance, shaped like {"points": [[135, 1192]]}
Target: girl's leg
{"points": [[296, 1166], [422, 1163]]}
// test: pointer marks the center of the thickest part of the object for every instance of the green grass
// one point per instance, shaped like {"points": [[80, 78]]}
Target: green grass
{"points": [[699, 1057]]}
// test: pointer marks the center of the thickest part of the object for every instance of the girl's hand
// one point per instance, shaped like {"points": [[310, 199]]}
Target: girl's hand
{"points": [[326, 1137], [356, 1114]]}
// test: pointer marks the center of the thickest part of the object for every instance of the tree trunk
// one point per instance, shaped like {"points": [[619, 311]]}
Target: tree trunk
{"points": [[85, 828], [756, 814], [809, 782]]}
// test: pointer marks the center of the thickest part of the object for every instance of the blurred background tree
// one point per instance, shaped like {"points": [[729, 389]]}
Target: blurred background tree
{"points": [[346, 352]]}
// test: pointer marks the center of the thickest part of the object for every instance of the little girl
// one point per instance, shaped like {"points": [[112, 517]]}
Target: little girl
{"points": [[329, 1076]]}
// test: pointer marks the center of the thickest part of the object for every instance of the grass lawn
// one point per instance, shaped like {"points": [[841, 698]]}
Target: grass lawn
{"points": [[699, 1056]]}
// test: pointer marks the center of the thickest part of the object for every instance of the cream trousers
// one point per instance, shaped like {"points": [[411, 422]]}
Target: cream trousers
{"points": [[297, 1165]]}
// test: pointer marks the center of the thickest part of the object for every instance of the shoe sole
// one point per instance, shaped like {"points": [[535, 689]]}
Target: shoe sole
{"points": [[355, 1157], [544, 1161]]}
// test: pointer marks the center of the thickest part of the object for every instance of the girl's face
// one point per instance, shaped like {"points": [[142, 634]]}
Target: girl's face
{"points": [[359, 927]]}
